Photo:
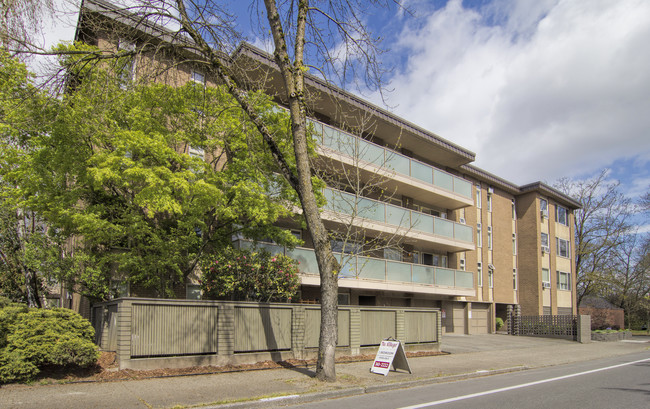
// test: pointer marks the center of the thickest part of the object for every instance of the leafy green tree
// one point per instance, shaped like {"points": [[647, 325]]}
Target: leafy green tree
{"points": [[110, 171], [249, 276]]}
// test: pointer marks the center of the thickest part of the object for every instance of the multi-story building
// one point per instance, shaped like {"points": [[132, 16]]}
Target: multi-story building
{"points": [[419, 225]]}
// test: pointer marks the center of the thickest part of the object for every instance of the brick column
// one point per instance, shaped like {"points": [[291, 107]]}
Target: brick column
{"points": [[226, 333], [400, 325], [355, 331], [124, 317], [584, 329], [298, 331]]}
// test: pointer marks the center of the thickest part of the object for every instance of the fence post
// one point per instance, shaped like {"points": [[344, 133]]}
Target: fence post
{"points": [[226, 332], [355, 331], [400, 325], [298, 331], [516, 320], [124, 318], [584, 329]]}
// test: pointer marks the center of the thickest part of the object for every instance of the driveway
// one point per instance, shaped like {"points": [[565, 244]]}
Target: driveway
{"points": [[461, 344]]}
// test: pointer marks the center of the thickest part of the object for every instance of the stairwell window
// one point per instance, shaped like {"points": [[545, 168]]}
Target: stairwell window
{"points": [[479, 274], [514, 278], [491, 277], [479, 239], [544, 239], [489, 237], [478, 196]]}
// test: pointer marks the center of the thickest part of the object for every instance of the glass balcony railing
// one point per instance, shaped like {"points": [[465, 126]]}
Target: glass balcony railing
{"points": [[349, 204], [358, 148], [375, 269]]}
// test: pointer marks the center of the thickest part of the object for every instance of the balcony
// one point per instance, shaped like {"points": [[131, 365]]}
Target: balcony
{"points": [[379, 274], [377, 217], [405, 175]]}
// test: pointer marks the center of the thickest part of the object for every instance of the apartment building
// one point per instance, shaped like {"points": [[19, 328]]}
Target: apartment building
{"points": [[418, 225]]}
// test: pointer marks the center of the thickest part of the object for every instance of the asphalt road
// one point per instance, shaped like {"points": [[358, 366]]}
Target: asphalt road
{"points": [[618, 382]]}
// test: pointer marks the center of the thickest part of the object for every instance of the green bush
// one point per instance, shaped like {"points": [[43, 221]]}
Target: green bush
{"points": [[15, 368], [499, 323], [246, 275], [8, 316], [36, 338]]}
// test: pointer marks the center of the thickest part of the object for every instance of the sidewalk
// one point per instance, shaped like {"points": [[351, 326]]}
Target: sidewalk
{"points": [[475, 355]]}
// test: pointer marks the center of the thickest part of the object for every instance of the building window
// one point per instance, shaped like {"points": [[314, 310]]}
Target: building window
{"points": [[347, 247], [514, 278], [546, 278], [514, 244], [545, 242], [478, 196], [489, 237], [490, 277], [126, 73], [462, 264], [393, 254], [543, 206], [562, 247], [563, 280], [562, 215], [193, 292], [514, 210], [489, 202], [479, 274], [479, 239], [198, 77], [196, 152]]}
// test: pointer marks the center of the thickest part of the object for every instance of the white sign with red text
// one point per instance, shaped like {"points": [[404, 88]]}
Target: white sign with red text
{"points": [[385, 357]]}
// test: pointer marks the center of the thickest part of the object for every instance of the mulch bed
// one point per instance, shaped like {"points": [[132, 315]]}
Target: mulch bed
{"points": [[107, 369]]}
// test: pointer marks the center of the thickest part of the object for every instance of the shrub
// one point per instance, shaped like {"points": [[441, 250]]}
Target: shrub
{"points": [[15, 368], [248, 275], [34, 338], [499, 323]]}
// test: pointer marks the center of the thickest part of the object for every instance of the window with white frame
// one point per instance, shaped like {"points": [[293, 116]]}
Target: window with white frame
{"points": [[514, 210], [562, 215], [479, 274], [196, 152], [514, 278], [490, 277], [479, 239], [489, 237], [544, 238], [514, 244], [543, 206], [489, 202], [563, 280], [462, 264], [478, 196], [562, 247], [546, 277], [198, 77]]}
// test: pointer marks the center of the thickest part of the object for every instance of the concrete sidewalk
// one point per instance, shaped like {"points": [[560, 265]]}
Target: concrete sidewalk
{"points": [[476, 355]]}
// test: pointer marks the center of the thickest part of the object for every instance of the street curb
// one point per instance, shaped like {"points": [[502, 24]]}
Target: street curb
{"points": [[340, 393]]}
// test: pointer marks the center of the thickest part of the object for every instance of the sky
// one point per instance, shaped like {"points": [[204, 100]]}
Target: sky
{"points": [[538, 89]]}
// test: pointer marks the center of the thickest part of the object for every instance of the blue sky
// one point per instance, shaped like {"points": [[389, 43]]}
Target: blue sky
{"points": [[538, 89]]}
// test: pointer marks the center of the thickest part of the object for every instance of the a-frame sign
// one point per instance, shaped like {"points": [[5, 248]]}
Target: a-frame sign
{"points": [[391, 352]]}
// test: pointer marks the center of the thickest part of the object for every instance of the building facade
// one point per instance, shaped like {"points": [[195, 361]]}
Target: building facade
{"points": [[413, 222]]}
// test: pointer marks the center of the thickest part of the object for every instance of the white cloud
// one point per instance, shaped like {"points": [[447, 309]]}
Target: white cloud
{"points": [[538, 90]]}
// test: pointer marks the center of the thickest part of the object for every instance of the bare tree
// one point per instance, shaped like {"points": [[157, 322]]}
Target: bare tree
{"points": [[21, 22], [600, 228]]}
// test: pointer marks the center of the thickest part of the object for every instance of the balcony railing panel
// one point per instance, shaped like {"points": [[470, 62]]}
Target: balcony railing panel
{"points": [[349, 204], [356, 147], [354, 266]]}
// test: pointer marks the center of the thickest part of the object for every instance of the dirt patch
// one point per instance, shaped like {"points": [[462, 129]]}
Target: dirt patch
{"points": [[107, 369]]}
